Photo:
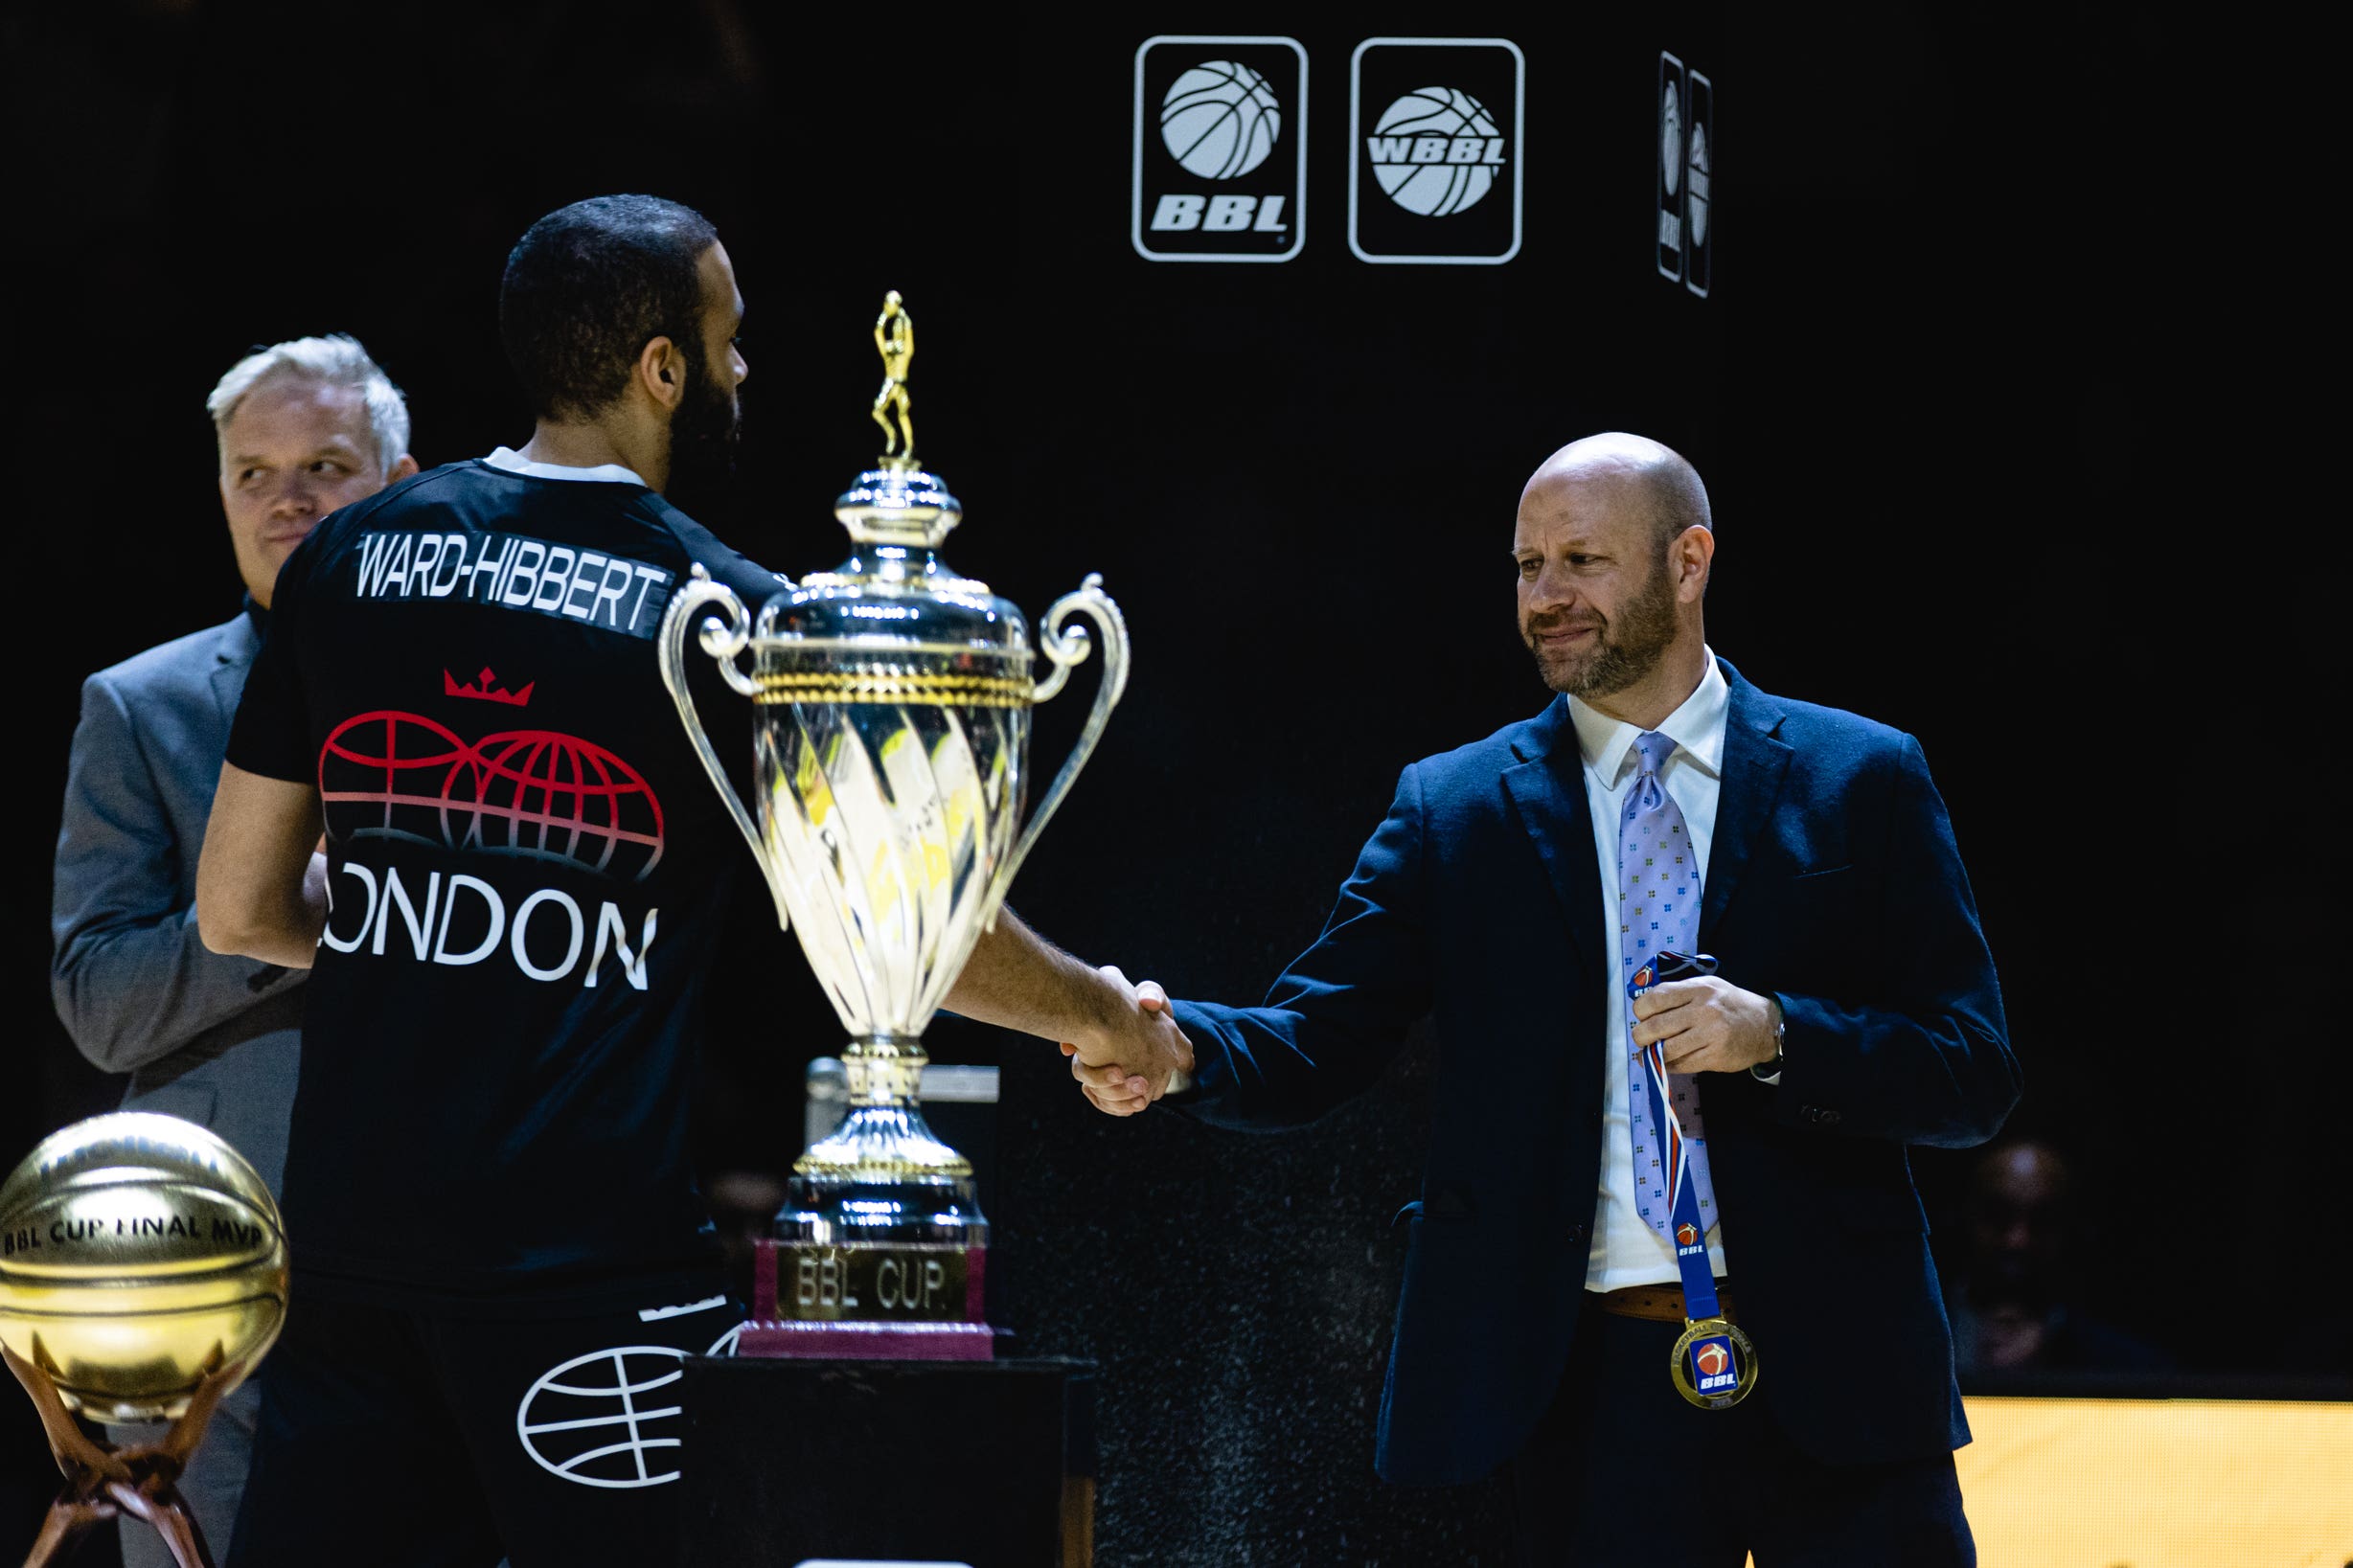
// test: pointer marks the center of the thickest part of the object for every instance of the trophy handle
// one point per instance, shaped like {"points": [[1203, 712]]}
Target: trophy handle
{"points": [[724, 636], [1066, 650]]}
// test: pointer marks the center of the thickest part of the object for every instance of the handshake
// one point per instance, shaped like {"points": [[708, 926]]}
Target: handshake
{"points": [[1136, 1054], [1124, 1047]]}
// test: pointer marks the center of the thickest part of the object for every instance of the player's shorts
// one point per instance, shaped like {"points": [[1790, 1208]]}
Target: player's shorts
{"points": [[548, 1437]]}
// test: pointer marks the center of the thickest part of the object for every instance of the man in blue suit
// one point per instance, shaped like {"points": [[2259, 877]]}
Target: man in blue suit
{"points": [[304, 427], [1509, 896]]}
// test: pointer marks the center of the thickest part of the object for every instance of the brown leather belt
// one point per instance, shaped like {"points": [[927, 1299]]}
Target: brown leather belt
{"points": [[1653, 1302]]}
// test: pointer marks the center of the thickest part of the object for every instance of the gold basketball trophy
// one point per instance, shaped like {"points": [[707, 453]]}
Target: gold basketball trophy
{"points": [[143, 1275], [890, 758]]}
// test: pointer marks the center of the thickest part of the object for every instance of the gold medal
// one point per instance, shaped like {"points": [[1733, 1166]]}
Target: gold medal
{"points": [[1714, 1365]]}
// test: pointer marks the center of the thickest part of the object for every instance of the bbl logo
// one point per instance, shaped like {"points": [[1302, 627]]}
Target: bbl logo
{"points": [[1435, 175], [1220, 149], [1686, 166]]}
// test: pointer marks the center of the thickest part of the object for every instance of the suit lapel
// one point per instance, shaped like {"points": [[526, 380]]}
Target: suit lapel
{"points": [[1548, 789], [232, 656], [1754, 764]]}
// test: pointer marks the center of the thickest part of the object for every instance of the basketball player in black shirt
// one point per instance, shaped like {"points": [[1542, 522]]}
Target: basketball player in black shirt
{"points": [[501, 1257], [500, 1247]]}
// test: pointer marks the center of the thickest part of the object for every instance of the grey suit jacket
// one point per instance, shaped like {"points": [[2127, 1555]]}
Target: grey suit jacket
{"points": [[210, 1038]]}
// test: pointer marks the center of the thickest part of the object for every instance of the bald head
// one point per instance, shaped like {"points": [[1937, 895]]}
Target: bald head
{"points": [[1667, 486], [1612, 572]]}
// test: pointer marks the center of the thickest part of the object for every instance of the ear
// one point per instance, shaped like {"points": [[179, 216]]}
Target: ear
{"points": [[401, 469], [1692, 553], [661, 372]]}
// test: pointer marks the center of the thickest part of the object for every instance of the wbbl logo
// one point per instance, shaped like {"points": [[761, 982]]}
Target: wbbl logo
{"points": [[1686, 169], [1436, 171], [1219, 168]]}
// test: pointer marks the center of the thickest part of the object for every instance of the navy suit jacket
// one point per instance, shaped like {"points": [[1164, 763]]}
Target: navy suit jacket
{"points": [[1833, 883]]}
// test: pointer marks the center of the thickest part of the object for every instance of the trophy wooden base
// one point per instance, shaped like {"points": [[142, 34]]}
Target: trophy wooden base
{"points": [[101, 1483]]}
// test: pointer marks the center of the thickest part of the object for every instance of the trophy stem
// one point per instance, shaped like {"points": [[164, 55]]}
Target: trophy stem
{"points": [[884, 1138]]}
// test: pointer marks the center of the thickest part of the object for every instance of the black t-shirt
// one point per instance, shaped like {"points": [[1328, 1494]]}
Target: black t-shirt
{"points": [[528, 868]]}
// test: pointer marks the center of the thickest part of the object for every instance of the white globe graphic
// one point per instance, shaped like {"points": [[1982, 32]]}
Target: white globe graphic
{"points": [[608, 1419], [1432, 189], [1219, 120], [1671, 139]]}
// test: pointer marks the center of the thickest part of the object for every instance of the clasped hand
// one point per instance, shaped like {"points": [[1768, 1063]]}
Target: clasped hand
{"points": [[1708, 1025], [1128, 1062]]}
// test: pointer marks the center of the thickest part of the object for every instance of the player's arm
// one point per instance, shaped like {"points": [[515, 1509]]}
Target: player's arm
{"points": [[1016, 979], [260, 890]]}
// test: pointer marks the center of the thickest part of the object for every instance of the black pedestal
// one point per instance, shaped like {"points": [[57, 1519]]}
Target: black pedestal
{"points": [[985, 1463]]}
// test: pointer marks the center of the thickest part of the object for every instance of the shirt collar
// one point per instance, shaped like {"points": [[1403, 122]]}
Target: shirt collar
{"points": [[515, 463], [1697, 728]]}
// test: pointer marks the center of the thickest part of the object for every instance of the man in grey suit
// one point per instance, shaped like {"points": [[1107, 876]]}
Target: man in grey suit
{"points": [[304, 426]]}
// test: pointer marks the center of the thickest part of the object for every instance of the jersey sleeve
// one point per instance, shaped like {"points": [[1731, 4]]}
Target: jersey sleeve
{"points": [[271, 735]]}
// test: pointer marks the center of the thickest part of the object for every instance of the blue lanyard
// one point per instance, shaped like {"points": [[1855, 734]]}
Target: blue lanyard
{"points": [[1714, 1364]]}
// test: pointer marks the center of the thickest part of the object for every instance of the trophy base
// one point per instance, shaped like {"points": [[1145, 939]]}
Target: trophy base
{"points": [[838, 1282], [795, 1339]]}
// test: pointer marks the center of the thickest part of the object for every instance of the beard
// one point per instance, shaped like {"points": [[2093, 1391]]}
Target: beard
{"points": [[1623, 651], [704, 432]]}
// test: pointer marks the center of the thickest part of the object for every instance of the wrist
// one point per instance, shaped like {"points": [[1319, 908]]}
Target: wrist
{"points": [[1769, 1063]]}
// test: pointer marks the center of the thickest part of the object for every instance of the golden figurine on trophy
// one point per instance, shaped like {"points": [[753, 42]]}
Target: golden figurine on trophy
{"points": [[891, 757], [143, 1275]]}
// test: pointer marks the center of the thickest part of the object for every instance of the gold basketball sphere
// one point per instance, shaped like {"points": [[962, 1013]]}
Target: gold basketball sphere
{"points": [[138, 1254]]}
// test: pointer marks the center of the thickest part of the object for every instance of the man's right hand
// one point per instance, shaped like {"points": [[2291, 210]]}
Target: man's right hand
{"points": [[1129, 1065]]}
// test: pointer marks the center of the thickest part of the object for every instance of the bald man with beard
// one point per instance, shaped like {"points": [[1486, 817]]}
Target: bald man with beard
{"points": [[1514, 894]]}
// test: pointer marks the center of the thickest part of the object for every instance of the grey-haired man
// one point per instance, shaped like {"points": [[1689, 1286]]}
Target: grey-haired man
{"points": [[304, 426]]}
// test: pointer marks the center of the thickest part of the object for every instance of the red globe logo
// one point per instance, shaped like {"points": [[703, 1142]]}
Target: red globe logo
{"points": [[1712, 1358], [523, 792]]}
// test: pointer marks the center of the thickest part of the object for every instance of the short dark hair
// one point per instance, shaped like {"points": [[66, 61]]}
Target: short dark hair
{"points": [[589, 286]]}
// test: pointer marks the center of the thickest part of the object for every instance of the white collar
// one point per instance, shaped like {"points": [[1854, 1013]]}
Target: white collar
{"points": [[1696, 727], [515, 463]]}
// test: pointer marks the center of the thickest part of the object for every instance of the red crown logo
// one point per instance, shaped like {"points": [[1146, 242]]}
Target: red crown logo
{"points": [[484, 688]]}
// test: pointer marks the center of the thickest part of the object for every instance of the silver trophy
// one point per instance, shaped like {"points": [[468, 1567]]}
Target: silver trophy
{"points": [[890, 755]]}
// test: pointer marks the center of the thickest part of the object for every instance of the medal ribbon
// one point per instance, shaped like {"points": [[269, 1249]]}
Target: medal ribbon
{"points": [[1686, 1231]]}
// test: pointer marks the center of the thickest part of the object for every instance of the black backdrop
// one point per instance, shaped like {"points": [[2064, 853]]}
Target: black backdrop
{"points": [[1938, 393]]}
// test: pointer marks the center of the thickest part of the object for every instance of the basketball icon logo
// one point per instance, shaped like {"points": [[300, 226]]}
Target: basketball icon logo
{"points": [[1436, 152], [1695, 200], [1686, 1235], [1712, 1358], [1219, 120], [608, 1418], [1671, 139], [1214, 178]]}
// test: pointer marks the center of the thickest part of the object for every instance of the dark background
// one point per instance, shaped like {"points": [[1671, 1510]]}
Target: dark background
{"points": [[1989, 457]]}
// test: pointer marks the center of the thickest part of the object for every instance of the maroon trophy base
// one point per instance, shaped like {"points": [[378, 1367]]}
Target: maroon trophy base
{"points": [[866, 1341], [773, 1334]]}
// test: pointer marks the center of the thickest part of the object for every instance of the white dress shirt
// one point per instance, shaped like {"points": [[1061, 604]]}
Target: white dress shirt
{"points": [[1625, 1250]]}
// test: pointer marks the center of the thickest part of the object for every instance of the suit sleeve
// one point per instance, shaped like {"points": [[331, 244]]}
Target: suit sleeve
{"points": [[131, 982], [1341, 1010], [1931, 1062]]}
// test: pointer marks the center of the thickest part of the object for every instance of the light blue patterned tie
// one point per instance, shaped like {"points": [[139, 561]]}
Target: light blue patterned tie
{"points": [[1658, 908]]}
